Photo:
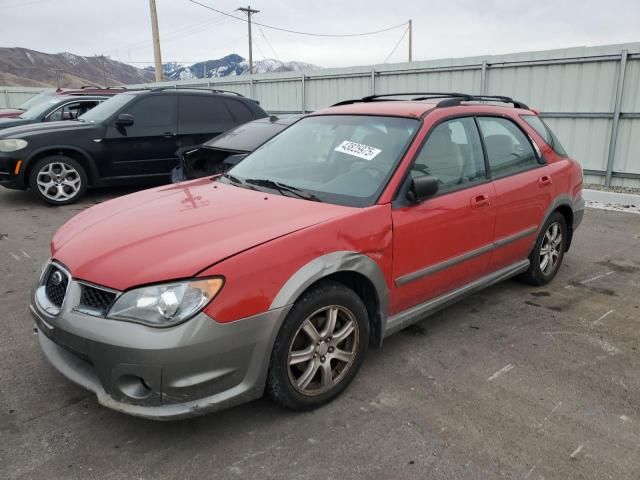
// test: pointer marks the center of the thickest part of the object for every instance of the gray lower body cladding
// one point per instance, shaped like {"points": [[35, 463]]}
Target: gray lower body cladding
{"points": [[163, 374]]}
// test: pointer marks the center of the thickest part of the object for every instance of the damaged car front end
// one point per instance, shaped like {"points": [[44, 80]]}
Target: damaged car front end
{"points": [[223, 152]]}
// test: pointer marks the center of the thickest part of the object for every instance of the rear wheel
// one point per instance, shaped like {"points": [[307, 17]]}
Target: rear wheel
{"points": [[319, 348], [58, 180], [547, 254]]}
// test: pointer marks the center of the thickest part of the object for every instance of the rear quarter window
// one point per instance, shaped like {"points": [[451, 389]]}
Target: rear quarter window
{"points": [[239, 111], [545, 132]]}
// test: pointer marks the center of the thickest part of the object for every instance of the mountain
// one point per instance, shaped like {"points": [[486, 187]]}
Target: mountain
{"points": [[231, 65], [29, 68], [24, 67]]}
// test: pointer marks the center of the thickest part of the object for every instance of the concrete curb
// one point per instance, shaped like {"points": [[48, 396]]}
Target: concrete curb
{"points": [[611, 197]]}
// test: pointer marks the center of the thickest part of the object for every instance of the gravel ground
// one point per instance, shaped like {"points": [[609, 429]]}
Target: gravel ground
{"points": [[616, 189], [515, 382]]}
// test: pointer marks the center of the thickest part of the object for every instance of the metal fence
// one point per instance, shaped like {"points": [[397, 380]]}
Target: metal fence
{"points": [[590, 96]]}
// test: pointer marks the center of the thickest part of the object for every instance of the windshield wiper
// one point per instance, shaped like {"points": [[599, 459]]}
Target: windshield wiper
{"points": [[237, 181], [283, 187]]}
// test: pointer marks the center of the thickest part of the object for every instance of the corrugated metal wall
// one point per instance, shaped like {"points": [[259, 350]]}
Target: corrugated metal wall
{"points": [[576, 89]]}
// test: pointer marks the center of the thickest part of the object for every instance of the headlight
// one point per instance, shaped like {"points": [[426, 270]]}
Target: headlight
{"points": [[165, 305], [12, 145]]}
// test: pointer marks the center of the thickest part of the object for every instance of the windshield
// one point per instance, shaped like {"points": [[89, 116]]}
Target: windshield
{"points": [[249, 136], [342, 159], [39, 98], [106, 108], [34, 113]]}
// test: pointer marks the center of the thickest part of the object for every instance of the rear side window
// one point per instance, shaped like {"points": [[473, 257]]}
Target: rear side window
{"points": [[204, 114], [452, 154], [239, 110], [508, 148], [545, 132]]}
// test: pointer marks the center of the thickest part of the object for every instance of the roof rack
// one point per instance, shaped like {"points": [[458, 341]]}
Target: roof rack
{"points": [[212, 90], [451, 102], [450, 98], [383, 97]]}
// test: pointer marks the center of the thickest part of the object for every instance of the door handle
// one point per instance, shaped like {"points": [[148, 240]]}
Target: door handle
{"points": [[544, 180], [480, 201], [168, 134]]}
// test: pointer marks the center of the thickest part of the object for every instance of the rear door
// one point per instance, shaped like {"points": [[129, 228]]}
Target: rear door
{"points": [[202, 117], [522, 185], [146, 148], [445, 241]]}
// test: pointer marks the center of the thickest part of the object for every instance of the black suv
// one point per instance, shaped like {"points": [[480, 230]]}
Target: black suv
{"points": [[55, 109], [127, 140]]}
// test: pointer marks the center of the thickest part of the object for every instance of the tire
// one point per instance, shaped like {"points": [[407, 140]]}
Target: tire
{"points": [[333, 361], [58, 180], [543, 267]]}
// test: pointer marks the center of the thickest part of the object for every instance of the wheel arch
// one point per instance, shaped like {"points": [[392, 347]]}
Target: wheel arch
{"points": [[356, 271], [79, 155], [564, 205]]}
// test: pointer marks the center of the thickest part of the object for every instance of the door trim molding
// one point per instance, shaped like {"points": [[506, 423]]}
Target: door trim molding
{"points": [[407, 317], [437, 267]]}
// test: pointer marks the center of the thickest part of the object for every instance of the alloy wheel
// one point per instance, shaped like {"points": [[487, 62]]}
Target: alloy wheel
{"points": [[58, 181], [323, 350], [551, 249]]}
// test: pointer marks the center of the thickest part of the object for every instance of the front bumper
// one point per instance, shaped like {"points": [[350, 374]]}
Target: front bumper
{"points": [[163, 374], [578, 212], [8, 178]]}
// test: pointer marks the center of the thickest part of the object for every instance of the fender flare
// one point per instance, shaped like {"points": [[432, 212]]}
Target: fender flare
{"points": [[335, 262], [92, 173], [562, 200]]}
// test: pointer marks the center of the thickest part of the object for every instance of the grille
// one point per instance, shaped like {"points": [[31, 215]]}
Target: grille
{"points": [[96, 300], [56, 286]]}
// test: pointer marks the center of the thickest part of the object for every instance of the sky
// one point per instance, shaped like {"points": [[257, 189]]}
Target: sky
{"points": [[189, 33]]}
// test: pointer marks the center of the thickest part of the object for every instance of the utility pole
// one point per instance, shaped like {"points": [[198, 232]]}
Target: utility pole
{"points": [[156, 40], [104, 73], [249, 12], [410, 40]]}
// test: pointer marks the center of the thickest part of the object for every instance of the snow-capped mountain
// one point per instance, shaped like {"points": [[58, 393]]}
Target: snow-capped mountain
{"points": [[231, 65]]}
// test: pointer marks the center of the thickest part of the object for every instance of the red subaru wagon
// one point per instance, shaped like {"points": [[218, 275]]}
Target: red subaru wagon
{"points": [[349, 225]]}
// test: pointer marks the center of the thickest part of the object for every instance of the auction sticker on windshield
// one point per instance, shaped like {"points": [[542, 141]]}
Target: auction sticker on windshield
{"points": [[358, 150]]}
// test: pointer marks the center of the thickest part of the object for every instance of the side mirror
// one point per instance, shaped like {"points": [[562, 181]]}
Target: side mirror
{"points": [[124, 120], [422, 188]]}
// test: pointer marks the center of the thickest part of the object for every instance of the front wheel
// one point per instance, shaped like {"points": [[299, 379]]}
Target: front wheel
{"points": [[547, 254], [319, 348], [58, 180]]}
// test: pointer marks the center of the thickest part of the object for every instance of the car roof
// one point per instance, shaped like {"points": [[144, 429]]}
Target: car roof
{"points": [[400, 108], [79, 98], [189, 90]]}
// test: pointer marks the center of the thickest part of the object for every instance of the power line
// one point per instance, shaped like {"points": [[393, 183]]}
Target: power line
{"points": [[397, 45], [177, 33], [299, 32], [269, 43]]}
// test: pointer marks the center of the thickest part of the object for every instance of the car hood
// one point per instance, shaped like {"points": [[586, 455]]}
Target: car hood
{"points": [[176, 231], [13, 122], [10, 112], [45, 127]]}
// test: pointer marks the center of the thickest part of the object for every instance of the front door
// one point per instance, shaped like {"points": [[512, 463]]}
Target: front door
{"points": [[445, 241], [146, 148]]}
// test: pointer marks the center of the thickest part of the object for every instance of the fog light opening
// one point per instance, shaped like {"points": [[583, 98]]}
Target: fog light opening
{"points": [[134, 386]]}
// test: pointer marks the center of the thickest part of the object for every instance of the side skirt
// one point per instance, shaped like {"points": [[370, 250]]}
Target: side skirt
{"points": [[414, 314]]}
